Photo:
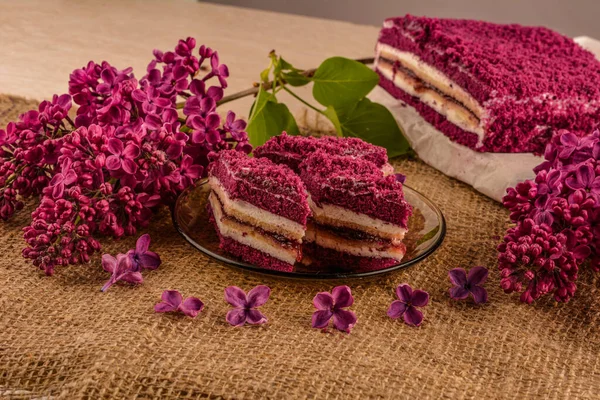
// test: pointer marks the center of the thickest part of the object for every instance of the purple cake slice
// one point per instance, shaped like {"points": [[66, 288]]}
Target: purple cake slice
{"points": [[259, 209], [292, 150], [355, 208], [493, 88]]}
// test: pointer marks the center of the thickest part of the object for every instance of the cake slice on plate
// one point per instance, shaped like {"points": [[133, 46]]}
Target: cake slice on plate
{"points": [[493, 88], [259, 209], [292, 150], [359, 216]]}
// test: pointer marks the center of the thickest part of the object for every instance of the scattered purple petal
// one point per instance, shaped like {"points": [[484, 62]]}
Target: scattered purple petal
{"points": [[244, 310], [331, 305], [141, 257], [173, 301], [407, 303], [468, 284], [121, 269]]}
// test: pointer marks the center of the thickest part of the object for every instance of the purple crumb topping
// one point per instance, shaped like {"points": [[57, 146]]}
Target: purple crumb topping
{"points": [[355, 184], [530, 80], [274, 188], [292, 150]]}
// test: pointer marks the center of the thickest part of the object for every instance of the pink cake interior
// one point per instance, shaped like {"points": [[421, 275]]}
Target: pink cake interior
{"points": [[529, 80], [355, 184]]}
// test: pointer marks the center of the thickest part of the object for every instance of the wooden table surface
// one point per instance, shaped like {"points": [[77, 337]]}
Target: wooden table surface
{"points": [[42, 41]]}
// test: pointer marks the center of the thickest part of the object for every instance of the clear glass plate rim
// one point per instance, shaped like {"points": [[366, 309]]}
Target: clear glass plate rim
{"points": [[439, 239]]}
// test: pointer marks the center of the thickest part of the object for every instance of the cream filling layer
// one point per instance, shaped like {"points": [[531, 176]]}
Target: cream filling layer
{"points": [[252, 215], [248, 236], [359, 248], [468, 117], [340, 217]]}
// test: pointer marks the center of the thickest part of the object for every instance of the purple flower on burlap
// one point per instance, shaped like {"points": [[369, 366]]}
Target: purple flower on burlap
{"points": [[407, 303], [141, 257], [172, 300], [245, 305], [332, 304], [121, 269], [468, 284]]}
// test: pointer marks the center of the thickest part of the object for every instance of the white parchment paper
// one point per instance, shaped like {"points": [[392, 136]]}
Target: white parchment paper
{"points": [[488, 173]]}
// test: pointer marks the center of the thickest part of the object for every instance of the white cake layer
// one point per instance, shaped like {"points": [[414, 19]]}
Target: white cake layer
{"points": [[488, 173], [249, 236], [328, 214], [359, 248], [252, 215], [468, 117]]}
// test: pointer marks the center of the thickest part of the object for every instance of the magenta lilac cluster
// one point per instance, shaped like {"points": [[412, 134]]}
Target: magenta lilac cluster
{"points": [[130, 148], [557, 218]]}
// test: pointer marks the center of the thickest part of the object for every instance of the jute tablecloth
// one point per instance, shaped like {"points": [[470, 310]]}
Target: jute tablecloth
{"points": [[61, 337]]}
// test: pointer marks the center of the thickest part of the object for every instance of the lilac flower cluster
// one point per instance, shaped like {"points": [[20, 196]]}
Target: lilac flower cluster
{"points": [[130, 148], [557, 218]]}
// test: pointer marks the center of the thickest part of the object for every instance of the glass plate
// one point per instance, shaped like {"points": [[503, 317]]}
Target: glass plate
{"points": [[426, 231]]}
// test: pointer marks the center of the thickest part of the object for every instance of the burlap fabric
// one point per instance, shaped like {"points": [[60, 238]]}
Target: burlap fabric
{"points": [[61, 338]]}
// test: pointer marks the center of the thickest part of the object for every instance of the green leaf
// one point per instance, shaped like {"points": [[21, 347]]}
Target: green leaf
{"points": [[333, 117], [428, 236], [264, 75], [286, 66], [295, 78], [339, 82], [373, 123], [269, 118]]}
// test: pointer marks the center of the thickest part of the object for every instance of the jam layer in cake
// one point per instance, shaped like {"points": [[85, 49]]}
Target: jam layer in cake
{"points": [[355, 243], [258, 205], [356, 210], [292, 150], [249, 253], [279, 248], [496, 88]]}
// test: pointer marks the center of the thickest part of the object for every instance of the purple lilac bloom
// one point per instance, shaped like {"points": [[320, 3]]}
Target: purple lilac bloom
{"points": [[125, 154], [407, 303], [121, 269], [122, 156], [332, 305], [173, 301], [465, 285], [244, 310], [141, 257]]}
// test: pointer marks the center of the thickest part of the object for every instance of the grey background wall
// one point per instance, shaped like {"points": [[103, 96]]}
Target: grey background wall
{"points": [[570, 17]]}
